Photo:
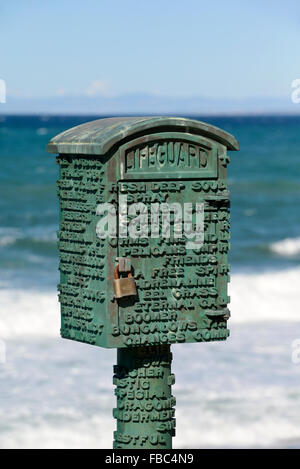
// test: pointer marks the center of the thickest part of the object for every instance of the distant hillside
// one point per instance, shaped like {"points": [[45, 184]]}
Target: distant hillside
{"points": [[146, 103]]}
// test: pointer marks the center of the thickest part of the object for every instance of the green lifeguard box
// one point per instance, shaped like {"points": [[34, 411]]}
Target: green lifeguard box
{"points": [[181, 288], [143, 244]]}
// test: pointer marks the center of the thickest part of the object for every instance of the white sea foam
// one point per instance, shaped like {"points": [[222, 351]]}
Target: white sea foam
{"points": [[234, 431], [286, 247], [7, 240], [28, 313], [239, 393], [8, 236], [84, 434], [213, 430], [270, 296], [59, 394]]}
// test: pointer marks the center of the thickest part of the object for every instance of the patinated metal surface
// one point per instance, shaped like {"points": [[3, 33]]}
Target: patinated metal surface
{"points": [[100, 136], [86, 283], [181, 293], [145, 405], [178, 290]]}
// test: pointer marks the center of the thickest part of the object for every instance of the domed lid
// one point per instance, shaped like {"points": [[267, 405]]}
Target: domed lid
{"points": [[99, 136]]}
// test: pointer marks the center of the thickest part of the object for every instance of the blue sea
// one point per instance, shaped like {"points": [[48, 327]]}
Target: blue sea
{"points": [[243, 393]]}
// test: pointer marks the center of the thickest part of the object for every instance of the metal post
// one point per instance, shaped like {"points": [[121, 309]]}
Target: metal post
{"points": [[144, 413]]}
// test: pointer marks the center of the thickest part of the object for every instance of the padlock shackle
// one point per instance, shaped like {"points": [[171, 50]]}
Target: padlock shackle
{"points": [[117, 273]]}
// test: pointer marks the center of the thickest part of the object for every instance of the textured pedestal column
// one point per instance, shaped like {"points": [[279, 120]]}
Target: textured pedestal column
{"points": [[144, 413]]}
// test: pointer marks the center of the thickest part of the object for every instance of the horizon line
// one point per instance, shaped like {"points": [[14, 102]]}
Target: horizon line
{"points": [[122, 114]]}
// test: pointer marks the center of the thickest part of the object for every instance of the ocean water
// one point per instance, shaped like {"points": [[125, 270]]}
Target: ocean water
{"points": [[241, 393]]}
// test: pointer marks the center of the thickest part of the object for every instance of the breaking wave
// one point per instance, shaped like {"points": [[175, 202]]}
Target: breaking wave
{"points": [[269, 296], [286, 247]]}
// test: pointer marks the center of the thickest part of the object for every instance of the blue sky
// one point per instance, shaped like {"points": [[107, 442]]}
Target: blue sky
{"points": [[228, 49]]}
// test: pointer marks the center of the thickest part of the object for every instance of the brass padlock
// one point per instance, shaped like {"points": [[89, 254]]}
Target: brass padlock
{"points": [[124, 286]]}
